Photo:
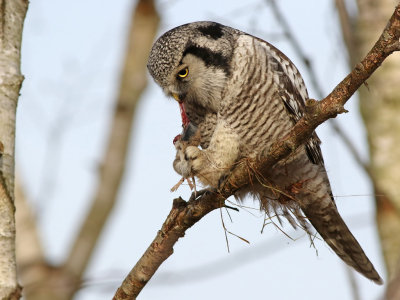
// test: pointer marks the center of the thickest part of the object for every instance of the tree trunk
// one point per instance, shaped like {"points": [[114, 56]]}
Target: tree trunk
{"points": [[12, 15], [380, 107]]}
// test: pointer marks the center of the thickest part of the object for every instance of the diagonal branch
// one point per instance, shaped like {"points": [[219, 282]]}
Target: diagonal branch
{"points": [[345, 22], [133, 82], [183, 214]]}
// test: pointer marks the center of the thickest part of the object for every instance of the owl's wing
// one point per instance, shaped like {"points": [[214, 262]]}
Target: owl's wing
{"points": [[293, 93], [316, 201]]}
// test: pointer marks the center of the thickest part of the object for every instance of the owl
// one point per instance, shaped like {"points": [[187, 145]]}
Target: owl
{"points": [[239, 94]]}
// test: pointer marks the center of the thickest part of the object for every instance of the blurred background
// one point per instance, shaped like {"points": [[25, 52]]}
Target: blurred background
{"points": [[94, 154]]}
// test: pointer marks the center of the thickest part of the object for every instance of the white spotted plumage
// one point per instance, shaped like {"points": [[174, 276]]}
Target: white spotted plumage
{"points": [[242, 94]]}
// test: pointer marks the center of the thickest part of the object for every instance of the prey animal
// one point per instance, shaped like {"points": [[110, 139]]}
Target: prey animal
{"points": [[240, 94]]}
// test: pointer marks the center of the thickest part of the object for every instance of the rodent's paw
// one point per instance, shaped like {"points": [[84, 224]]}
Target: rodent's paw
{"points": [[182, 167], [188, 161]]}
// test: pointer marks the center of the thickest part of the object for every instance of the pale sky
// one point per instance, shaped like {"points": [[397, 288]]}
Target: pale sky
{"points": [[72, 52]]}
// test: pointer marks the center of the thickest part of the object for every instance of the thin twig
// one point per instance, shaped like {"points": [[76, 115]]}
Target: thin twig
{"points": [[355, 291], [225, 231], [230, 207], [346, 24]]}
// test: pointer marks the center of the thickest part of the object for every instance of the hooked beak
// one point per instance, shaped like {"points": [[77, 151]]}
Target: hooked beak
{"points": [[176, 97]]}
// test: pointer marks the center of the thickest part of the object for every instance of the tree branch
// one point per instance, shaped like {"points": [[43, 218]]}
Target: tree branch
{"points": [[184, 215], [345, 21], [346, 24], [133, 81]]}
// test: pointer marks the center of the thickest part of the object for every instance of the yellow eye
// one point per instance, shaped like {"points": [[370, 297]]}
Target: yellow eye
{"points": [[183, 73]]}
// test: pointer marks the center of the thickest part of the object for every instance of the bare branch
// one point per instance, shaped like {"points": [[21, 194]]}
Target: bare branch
{"points": [[355, 291], [144, 26], [314, 81], [346, 24], [185, 214], [182, 216]]}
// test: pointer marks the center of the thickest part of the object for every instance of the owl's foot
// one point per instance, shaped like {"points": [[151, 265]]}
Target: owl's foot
{"points": [[196, 194]]}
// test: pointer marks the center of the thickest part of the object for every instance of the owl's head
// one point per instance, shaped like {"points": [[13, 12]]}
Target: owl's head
{"points": [[192, 62]]}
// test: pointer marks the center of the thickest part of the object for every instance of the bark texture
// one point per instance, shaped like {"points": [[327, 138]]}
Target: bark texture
{"points": [[380, 108], [12, 16]]}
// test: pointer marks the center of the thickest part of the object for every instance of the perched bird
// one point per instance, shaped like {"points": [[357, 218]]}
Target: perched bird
{"points": [[242, 94]]}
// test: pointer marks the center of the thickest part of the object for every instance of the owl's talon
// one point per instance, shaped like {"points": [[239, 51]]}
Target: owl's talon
{"points": [[222, 181], [196, 195]]}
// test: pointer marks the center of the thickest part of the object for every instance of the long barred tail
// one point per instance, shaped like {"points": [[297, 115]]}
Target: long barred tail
{"points": [[330, 225]]}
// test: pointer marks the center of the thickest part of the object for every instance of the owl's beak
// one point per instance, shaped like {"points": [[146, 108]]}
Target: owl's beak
{"points": [[176, 97]]}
